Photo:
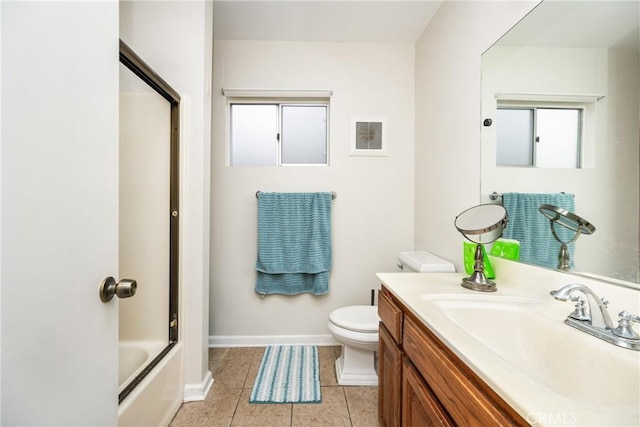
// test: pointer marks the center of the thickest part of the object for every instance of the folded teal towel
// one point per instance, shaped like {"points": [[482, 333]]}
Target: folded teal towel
{"points": [[532, 229], [294, 243]]}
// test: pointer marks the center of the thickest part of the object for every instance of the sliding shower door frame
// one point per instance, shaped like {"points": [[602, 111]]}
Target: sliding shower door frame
{"points": [[140, 68]]}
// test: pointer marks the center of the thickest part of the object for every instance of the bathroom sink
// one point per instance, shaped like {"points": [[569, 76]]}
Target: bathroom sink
{"points": [[527, 337]]}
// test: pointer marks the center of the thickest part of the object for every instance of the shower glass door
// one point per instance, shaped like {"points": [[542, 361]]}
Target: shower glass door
{"points": [[148, 218]]}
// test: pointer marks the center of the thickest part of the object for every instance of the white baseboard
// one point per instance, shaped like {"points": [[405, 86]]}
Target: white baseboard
{"points": [[265, 340], [198, 392]]}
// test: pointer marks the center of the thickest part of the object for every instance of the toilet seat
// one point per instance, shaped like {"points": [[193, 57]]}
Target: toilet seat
{"points": [[358, 318]]}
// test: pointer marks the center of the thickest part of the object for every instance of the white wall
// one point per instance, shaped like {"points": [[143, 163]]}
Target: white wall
{"points": [[175, 39], [448, 122], [373, 212]]}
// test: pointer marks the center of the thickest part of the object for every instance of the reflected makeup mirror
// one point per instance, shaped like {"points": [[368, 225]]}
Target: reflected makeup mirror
{"points": [[568, 220]]}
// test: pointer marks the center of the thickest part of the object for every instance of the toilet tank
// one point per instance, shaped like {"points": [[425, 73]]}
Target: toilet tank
{"points": [[424, 262]]}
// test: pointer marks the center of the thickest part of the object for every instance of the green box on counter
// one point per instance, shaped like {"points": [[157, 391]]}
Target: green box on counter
{"points": [[506, 248]]}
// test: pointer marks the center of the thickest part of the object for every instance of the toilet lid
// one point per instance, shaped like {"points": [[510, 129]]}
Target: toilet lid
{"points": [[359, 318]]}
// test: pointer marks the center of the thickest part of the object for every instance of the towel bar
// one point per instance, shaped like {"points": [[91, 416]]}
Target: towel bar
{"points": [[333, 195], [495, 195]]}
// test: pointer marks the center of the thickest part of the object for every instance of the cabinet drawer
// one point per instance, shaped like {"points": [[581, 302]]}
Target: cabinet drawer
{"points": [[390, 314], [469, 401]]}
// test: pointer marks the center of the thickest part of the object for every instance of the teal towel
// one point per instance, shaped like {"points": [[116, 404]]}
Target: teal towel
{"points": [[294, 243], [532, 229]]}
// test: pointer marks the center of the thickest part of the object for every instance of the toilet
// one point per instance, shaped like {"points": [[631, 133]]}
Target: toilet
{"points": [[356, 327]]}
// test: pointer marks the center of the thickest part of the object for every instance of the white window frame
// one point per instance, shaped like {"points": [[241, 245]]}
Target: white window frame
{"points": [[281, 99]]}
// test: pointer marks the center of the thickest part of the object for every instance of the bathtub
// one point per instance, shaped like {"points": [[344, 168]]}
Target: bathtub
{"points": [[157, 398]]}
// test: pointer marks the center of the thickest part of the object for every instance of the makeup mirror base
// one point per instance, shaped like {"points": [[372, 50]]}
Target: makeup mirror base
{"points": [[478, 282]]}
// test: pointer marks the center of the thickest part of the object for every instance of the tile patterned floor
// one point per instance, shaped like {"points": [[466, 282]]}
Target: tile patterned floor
{"points": [[234, 370]]}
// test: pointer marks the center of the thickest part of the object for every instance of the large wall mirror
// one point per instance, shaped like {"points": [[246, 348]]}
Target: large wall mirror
{"points": [[579, 57]]}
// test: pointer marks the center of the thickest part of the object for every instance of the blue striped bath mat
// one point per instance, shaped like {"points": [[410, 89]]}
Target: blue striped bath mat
{"points": [[288, 374]]}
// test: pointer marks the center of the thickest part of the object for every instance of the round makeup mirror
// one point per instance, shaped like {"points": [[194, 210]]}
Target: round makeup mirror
{"points": [[481, 224], [568, 220]]}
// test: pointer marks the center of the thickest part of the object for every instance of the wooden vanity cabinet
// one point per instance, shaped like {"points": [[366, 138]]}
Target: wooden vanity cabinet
{"points": [[423, 383]]}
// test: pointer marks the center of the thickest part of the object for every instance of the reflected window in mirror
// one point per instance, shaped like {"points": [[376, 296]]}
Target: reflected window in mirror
{"points": [[543, 137]]}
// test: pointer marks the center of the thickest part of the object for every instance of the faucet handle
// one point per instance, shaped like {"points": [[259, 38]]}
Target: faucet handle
{"points": [[624, 328], [580, 310]]}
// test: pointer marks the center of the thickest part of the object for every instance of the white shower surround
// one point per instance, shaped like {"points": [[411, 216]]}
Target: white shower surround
{"points": [[156, 399]]}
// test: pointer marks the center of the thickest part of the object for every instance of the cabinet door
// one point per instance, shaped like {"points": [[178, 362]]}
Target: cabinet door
{"points": [[389, 380], [419, 406]]}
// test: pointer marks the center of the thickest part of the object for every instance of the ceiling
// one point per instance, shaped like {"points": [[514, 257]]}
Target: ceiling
{"points": [[592, 24], [404, 21], [329, 20]]}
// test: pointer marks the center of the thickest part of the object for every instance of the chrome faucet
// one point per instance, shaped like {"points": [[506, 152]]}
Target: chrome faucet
{"points": [[599, 317], [597, 321]]}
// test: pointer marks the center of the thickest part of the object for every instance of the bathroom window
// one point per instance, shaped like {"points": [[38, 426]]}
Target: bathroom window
{"points": [[543, 137], [279, 134]]}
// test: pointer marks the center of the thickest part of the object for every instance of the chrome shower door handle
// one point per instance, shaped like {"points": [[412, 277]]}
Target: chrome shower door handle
{"points": [[125, 288]]}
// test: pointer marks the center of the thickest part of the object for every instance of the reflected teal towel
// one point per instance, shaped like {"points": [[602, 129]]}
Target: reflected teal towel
{"points": [[532, 229], [294, 243]]}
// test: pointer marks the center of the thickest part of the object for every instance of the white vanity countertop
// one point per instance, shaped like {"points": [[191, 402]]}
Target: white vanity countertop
{"points": [[540, 399]]}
